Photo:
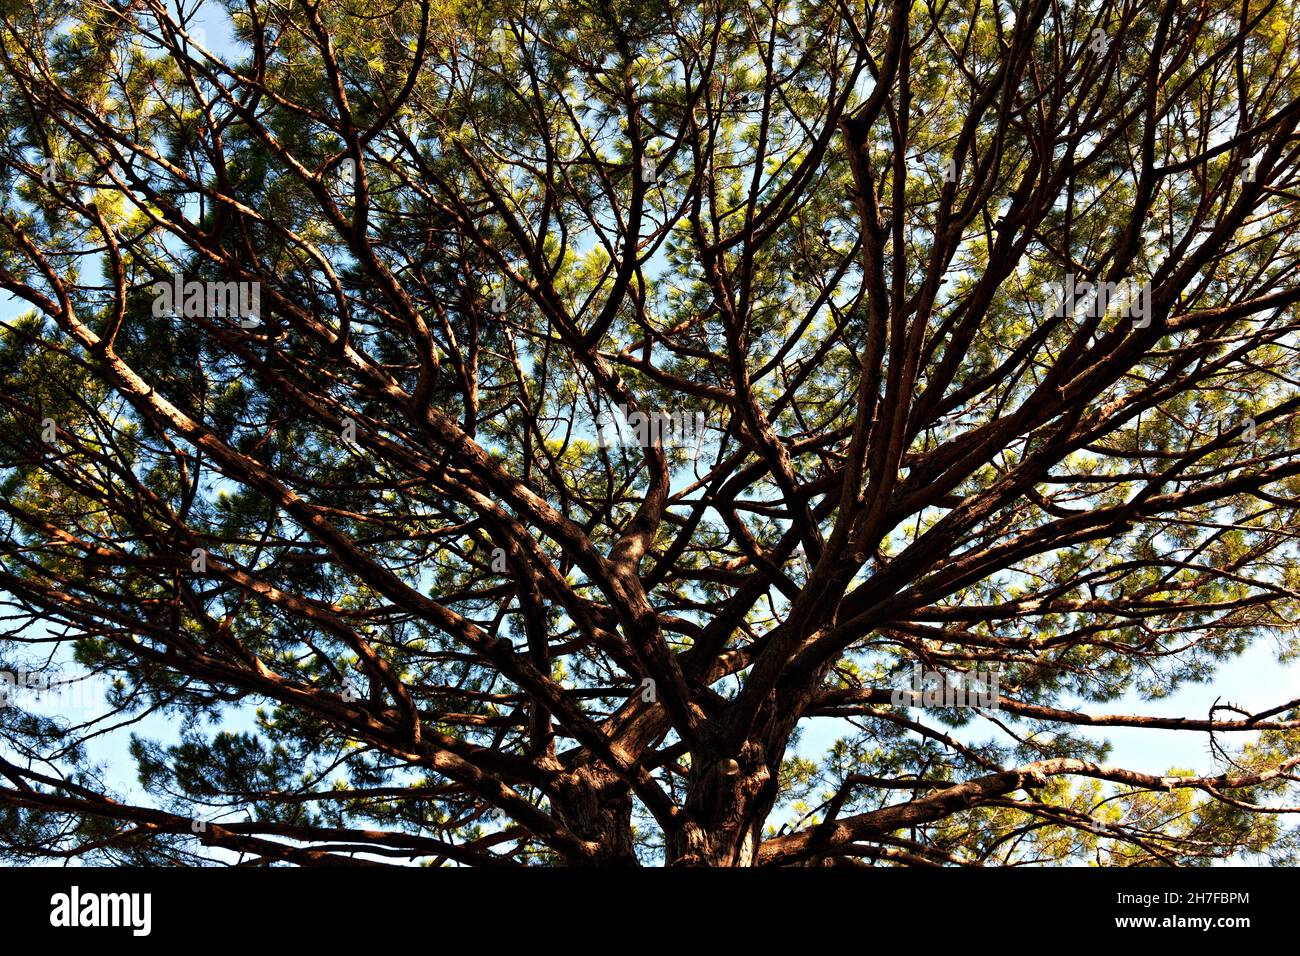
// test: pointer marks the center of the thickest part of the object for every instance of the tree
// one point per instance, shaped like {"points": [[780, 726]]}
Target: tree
{"points": [[492, 432]]}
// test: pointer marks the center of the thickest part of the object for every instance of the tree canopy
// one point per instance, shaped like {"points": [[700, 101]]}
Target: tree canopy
{"points": [[492, 433]]}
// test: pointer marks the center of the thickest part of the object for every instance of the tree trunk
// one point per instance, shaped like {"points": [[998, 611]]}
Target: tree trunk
{"points": [[597, 806], [727, 802]]}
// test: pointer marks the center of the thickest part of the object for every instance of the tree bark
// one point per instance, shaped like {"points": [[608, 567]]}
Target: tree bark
{"points": [[597, 806]]}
